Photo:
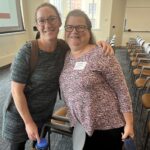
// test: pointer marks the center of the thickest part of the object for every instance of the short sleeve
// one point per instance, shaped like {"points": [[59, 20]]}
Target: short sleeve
{"points": [[20, 67]]}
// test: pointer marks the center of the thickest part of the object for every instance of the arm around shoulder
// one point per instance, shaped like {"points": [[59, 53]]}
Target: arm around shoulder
{"points": [[107, 49]]}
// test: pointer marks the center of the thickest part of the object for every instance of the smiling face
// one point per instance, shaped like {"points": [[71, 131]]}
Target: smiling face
{"points": [[48, 23], [77, 39]]}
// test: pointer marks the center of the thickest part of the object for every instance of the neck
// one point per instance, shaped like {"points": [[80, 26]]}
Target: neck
{"points": [[46, 45], [79, 52]]}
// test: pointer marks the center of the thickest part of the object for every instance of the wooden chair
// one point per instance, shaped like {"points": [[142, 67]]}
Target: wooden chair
{"points": [[139, 72], [145, 103], [145, 100], [138, 77], [134, 56], [148, 50], [145, 46], [141, 59], [132, 45], [59, 123], [139, 84]]}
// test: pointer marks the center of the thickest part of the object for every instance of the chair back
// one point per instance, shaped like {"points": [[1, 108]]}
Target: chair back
{"points": [[148, 50], [145, 46]]}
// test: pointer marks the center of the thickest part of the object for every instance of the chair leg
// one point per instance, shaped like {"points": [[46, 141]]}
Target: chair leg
{"points": [[146, 121], [46, 129], [59, 92], [136, 98], [146, 141], [49, 141], [141, 113]]}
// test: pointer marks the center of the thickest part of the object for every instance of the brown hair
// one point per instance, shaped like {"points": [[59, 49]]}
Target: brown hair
{"points": [[78, 13], [50, 6]]}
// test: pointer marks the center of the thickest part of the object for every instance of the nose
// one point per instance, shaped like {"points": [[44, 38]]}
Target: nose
{"points": [[48, 23], [74, 30]]}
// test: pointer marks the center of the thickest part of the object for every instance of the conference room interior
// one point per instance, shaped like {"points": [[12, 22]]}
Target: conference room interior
{"points": [[124, 24]]}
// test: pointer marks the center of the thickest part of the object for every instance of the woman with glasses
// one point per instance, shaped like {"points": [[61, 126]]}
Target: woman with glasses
{"points": [[34, 96], [94, 88]]}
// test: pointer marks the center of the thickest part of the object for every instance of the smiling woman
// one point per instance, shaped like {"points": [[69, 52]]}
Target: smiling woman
{"points": [[10, 16]]}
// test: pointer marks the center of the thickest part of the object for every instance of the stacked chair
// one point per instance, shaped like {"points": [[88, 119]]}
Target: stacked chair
{"points": [[138, 56], [112, 41], [145, 109]]}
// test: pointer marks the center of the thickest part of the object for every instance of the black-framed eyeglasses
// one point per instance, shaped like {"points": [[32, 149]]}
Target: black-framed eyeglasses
{"points": [[78, 28], [51, 19]]}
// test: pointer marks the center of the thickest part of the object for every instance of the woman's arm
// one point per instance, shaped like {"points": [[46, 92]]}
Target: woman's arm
{"points": [[115, 77], [106, 48], [22, 107]]}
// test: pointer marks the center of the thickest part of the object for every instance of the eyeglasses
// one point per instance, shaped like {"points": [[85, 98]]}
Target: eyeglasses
{"points": [[50, 19], [78, 28]]}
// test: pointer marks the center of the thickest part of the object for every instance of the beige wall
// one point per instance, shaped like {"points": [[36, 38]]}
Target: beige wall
{"points": [[144, 35], [117, 20], [10, 43], [106, 9]]}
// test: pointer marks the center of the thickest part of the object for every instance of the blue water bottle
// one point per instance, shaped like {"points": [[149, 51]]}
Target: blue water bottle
{"points": [[43, 145]]}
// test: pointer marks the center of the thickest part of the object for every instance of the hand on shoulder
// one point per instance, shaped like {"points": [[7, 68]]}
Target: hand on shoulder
{"points": [[107, 49]]}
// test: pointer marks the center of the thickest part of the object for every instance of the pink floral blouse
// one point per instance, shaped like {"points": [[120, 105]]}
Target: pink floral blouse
{"points": [[95, 91]]}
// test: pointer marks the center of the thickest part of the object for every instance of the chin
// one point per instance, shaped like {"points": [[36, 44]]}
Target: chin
{"points": [[75, 43], [52, 37], [74, 48]]}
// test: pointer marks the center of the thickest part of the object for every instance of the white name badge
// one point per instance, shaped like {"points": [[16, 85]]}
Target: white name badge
{"points": [[79, 65]]}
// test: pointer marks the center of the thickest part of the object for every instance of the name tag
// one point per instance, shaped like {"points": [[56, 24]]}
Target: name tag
{"points": [[79, 65]]}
